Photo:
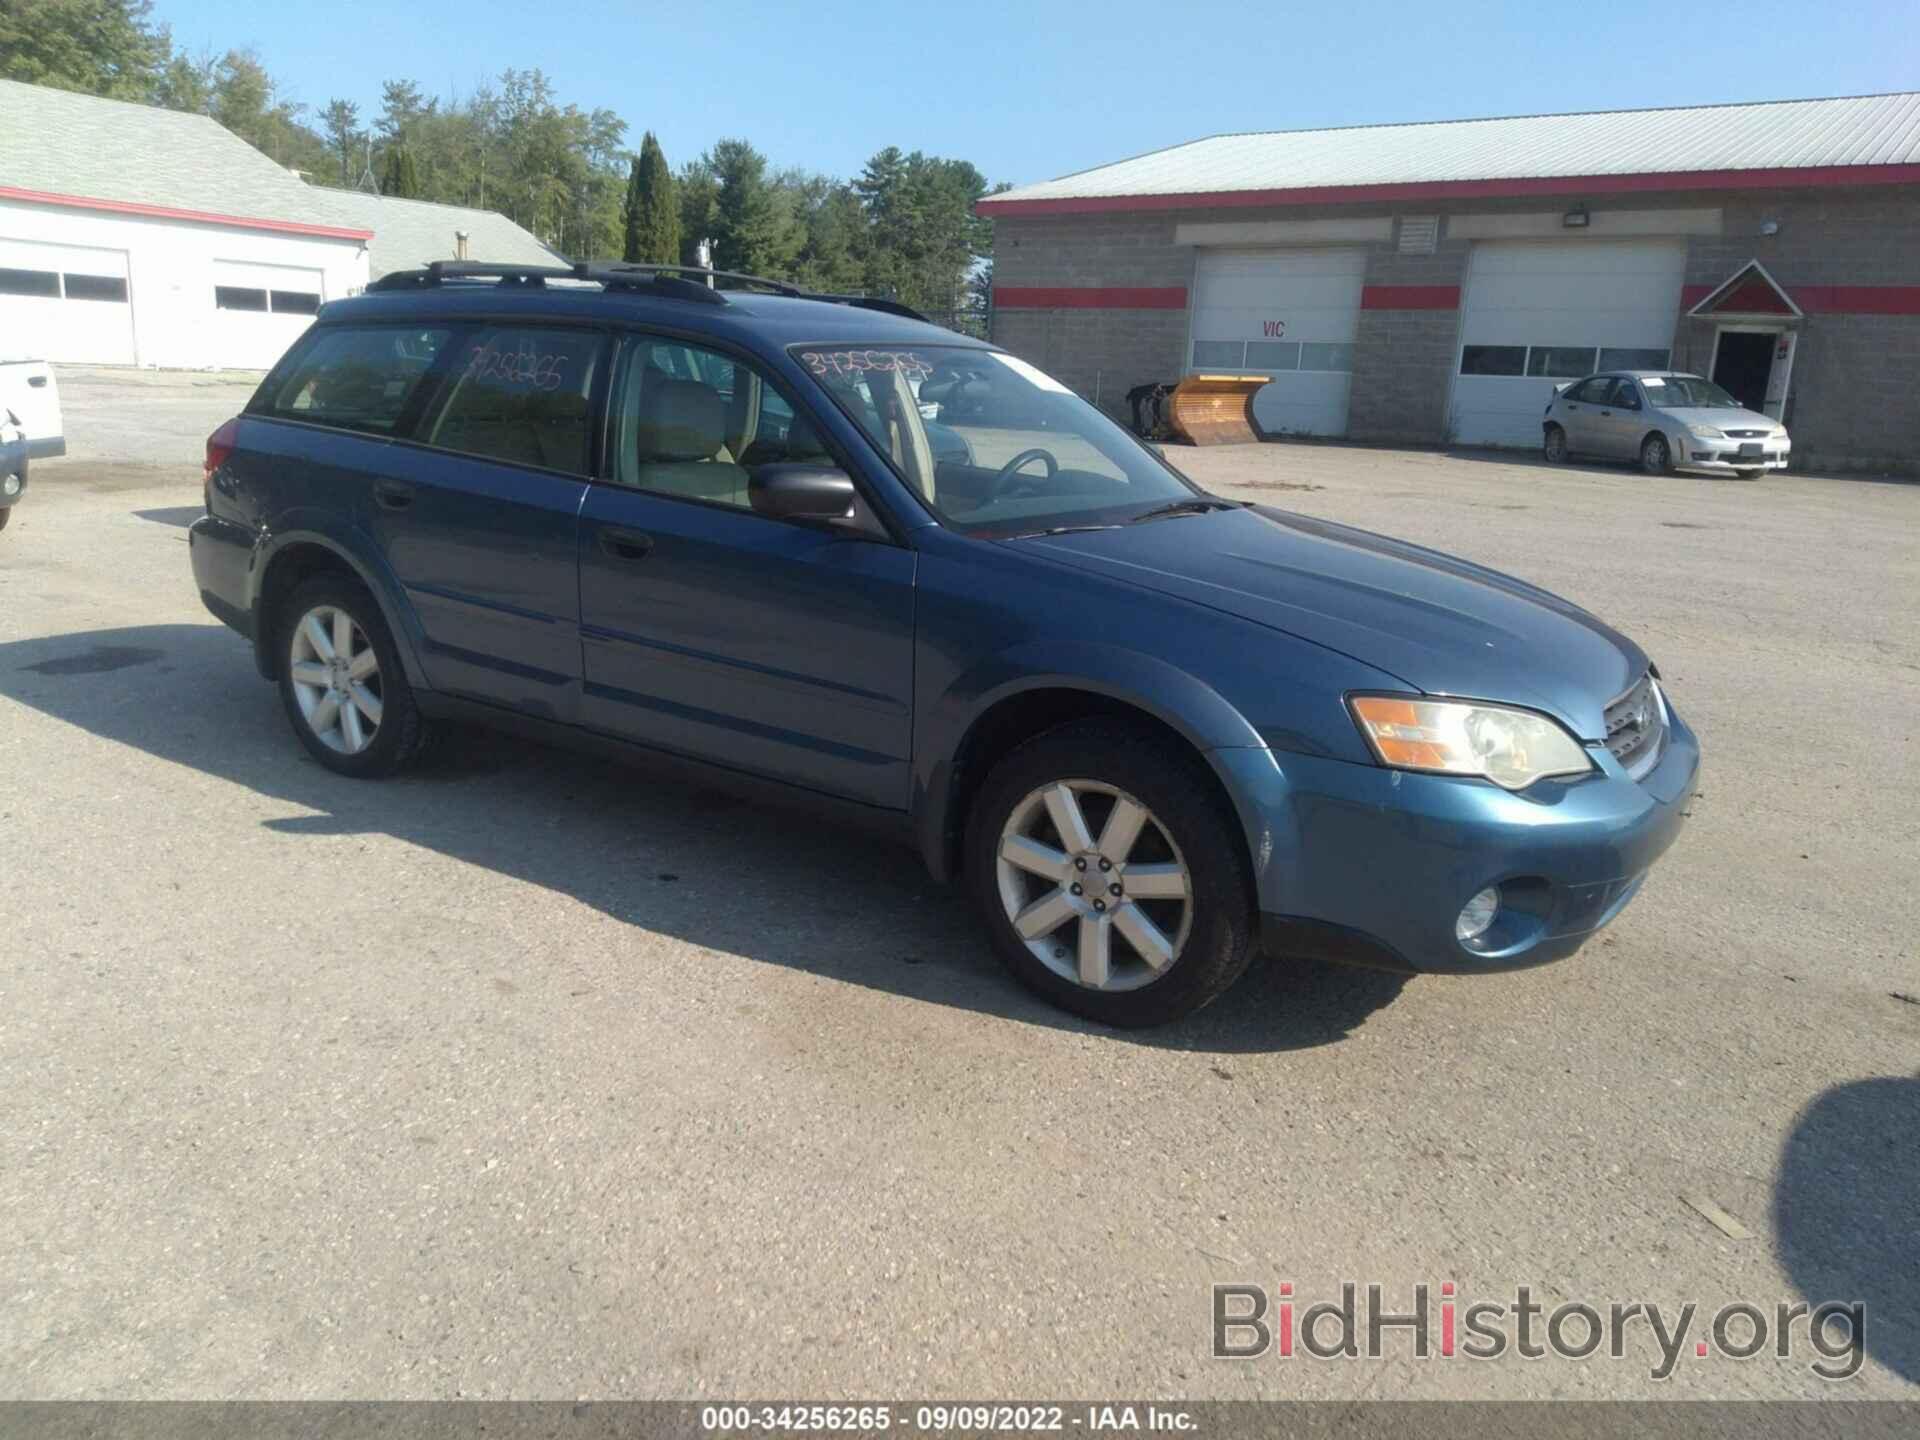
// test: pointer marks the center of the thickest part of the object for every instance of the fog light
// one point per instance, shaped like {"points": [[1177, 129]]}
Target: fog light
{"points": [[1477, 914], [10, 485]]}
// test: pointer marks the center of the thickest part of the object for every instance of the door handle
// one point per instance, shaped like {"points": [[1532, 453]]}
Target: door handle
{"points": [[389, 495], [626, 544]]}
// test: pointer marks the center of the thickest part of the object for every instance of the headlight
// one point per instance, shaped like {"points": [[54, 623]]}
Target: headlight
{"points": [[1512, 748], [1706, 432]]}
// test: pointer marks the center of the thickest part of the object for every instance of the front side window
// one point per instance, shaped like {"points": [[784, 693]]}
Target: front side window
{"points": [[695, 424], [520, 395], [356, 379], [993, 445]]}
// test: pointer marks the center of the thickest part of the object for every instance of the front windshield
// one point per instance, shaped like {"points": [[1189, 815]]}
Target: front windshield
{"points": [[994, 446], [1688, 392]]}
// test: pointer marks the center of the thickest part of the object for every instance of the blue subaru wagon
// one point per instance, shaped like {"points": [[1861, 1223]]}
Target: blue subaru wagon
{"points": [[818, 548]]}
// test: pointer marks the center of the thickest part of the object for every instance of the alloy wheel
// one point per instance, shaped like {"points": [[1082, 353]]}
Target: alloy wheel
{"points": [[336, 679], [1094, 885]]}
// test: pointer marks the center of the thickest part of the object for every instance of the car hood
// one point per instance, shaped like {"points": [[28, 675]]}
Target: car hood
{"points": [[1442, 625], [1705, 415]]}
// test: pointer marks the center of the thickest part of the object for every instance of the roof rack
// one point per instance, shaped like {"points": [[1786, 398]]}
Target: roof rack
{"points": [[666, 281]]}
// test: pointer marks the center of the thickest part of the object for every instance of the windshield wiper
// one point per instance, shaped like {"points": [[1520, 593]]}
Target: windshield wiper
{"points": [[1183, 507], [1057, 530]]}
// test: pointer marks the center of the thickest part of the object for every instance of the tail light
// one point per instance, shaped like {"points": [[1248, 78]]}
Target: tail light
{"points": [[220, 445]]}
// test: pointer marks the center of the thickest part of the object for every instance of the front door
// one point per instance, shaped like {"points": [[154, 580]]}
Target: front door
{"points": [[479, 521], [1742, 365], [768, 646], [1618, 422]]}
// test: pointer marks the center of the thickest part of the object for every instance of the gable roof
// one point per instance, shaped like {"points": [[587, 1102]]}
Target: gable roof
{"points": [[1863, 139], [59, 148], [409, 233]]}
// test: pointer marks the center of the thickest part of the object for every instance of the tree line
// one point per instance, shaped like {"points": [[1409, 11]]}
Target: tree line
{"points": [[904, 227]]}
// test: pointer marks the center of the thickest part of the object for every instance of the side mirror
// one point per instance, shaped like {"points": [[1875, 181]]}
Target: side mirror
{"points": [[801, 492]]}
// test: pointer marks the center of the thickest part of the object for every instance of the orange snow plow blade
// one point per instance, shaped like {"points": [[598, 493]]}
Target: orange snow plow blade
{"points": [[1215, 409]]}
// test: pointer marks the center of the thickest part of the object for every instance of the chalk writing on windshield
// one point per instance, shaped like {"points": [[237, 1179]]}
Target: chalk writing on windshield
{"points": [[850, 364]]}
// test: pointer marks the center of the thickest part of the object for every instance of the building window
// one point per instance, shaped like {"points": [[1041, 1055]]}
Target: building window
{"points": [[97, 287], [1273, 355], [1493, 360], [239, 297], [30, 282], [1317, 356], [1219, 354], [1633, 359], [294, 302], [1560, 362]]}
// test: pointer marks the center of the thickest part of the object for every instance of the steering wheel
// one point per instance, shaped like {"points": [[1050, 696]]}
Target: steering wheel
{"points": [[1004, 481]]}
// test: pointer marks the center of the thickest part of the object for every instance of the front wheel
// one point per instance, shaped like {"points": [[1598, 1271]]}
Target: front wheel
{"points": [[341, 681], [1555, 448], [1749, 474], [6, 514], [1656, 458], [1110, 874]]}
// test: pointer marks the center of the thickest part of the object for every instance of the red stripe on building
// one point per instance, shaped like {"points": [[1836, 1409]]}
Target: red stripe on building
{"points": [[1796, 177], [1410, 297], [1825, 299], [198, 217], [1090, 297]]}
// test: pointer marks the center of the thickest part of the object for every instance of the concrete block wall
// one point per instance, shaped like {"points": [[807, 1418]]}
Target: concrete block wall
{"points": [[1850, 405]]}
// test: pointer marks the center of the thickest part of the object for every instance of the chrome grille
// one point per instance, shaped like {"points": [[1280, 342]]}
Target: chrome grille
{"points": [[1636, 726], [1747, 434]]}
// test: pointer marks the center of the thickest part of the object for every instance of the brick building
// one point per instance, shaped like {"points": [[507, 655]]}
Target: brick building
{"points": [[1432, 283]]}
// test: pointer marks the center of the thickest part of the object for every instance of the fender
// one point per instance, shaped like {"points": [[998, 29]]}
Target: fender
{"points": [[357, 550], [1169, 694]]}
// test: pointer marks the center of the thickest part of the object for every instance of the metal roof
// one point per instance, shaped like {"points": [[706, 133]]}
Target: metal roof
{"points": [[58, 147], [1853, 131]]}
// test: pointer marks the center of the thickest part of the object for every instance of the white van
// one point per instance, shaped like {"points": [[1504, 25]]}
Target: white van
{"points": [[27, 388]]}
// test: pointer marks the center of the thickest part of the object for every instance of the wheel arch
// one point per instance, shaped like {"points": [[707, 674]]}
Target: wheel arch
{"points": [[297, 556], [970, 735]]}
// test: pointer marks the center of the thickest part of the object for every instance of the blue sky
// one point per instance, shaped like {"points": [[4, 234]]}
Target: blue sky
{"points": [[1029, 91]]}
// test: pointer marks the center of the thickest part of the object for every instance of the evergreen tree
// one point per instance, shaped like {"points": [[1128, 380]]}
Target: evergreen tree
{"points": [[398, 176], [652, 213], [753, 223]]}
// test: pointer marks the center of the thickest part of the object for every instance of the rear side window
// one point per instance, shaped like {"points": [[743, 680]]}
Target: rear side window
{"points": [[356, 379], [522, 396]]}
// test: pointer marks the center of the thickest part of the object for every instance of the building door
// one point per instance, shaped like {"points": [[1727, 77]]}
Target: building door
{"points": [[1540, 313], [65, 303], [1289, 314], [258, 311], [1743, 364]]}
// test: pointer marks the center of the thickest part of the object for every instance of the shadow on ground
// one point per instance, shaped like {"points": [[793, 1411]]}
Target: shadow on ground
{"points": [[181, 515], [644, 850], [1846, 1210]]}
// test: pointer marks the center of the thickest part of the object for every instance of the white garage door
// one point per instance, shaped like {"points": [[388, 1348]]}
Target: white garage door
{"points": [[1290, 314], [259, 310], [1542, 313], [66, 303]]}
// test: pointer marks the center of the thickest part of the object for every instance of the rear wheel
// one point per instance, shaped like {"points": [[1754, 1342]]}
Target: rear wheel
{"points": [[1555, 448], [341, 681], [1110, 875], [1656, 457]]}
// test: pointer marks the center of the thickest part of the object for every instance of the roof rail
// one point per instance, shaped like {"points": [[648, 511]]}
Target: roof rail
{"points": [[667, 281], [867, 302]]}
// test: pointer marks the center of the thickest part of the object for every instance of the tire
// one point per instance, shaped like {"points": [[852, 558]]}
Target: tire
{"points": [[1656, 455], [1188, 829], [6, 514], [1749, 474], [1555, 449], [384, 716]]}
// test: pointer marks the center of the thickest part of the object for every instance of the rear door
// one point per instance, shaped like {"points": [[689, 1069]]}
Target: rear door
{"points": [[1579, 414], [477, 513], [773, 647]]}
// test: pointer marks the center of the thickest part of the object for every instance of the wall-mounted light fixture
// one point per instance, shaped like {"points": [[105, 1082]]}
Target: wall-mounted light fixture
{"points": [[1576, 218]]}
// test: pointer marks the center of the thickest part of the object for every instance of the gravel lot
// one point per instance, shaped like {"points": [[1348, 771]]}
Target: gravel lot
{"points": [[526, 1077]]}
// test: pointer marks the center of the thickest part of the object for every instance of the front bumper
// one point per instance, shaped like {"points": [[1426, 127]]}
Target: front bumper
{"points": [[1723, 457], [1361, 863]]}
